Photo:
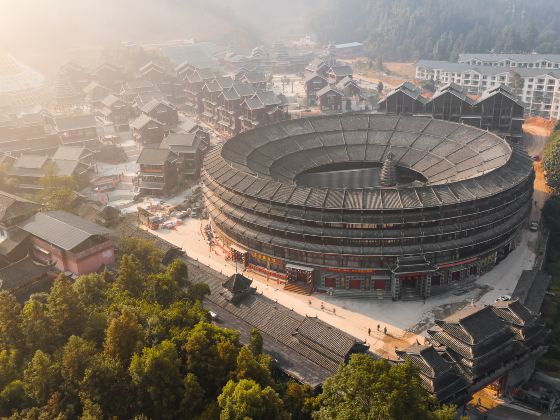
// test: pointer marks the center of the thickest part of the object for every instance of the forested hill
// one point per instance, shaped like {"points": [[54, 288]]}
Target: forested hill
{"points": [[441, 29]]}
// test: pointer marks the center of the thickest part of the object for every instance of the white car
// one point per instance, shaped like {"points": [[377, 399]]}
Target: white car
{"points": [[503, 298], [213, 315]]}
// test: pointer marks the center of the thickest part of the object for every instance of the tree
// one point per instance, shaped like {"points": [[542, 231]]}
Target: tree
{"points": [[10, 319], [130, 277], [124, 337], [36, 324], [9, 366], [380, 88], [255, 342], [550, 212], [247, 400], [298, 400], [145, 251], [157, 376], [368, 388], [57, 192], [77, 354], [107, 383], [254, 367], [12, 397], [516, 82], [211, 354], [65, 311], [196, 292], [40, 378], [551, 161], [90, 289], [193, 400]]}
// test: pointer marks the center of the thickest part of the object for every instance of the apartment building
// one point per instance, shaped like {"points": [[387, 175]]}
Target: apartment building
{"points": [[541, 85]]}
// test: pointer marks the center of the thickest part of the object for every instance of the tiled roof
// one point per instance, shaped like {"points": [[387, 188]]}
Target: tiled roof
{"points": [[62, 229]]}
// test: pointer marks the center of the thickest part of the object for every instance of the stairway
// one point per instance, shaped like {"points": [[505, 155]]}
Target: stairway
{"points": [[362, 294], [300, 288]]}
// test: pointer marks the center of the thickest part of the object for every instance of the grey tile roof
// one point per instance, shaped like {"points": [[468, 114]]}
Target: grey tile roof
{"points": [[75, 122], [189, 140], [142, 120], [13, 206], [30, 162], [327, 89], [153, 156], [153, 104], [69, 153], [244, 89], [62, 229]]}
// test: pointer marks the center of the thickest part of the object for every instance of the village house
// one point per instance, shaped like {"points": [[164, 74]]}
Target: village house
{"points": [[132, 88], [257, 79], [146, 130], [80, 130], [339, 72], [261, 108], [94, 93], [188, 125], [117, 111], [162, 111], [69, 243], [190, 149], [497, 110], [25, 277], [314, 83], [160, 171], [14, 210], [330, 98], [28, 169], [26, 133], [107, 74]]}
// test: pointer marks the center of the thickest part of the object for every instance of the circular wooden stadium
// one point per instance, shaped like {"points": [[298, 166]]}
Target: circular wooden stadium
{"points": [[386, 206]]}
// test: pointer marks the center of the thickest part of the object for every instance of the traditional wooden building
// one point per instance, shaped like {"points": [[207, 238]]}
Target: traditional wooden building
{"points": [[160, 171], [314, 83], [338, 72], [261, 108], [80, 130], [110, 75], [483, 345], [25, 277], [497, 110], [330, 98], [163, 112], [405, 99], [28, 170], [146, 129], [95, 93], [14, 210], [190, 149], [439, 377], [132, 88], [117, 111], [257, 79], [500, 111], [69, 243], [450, 103], [26, 134], [208, 96]]}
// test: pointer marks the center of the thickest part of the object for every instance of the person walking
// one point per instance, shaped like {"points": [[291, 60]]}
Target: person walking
{"points": [[369, 331]]}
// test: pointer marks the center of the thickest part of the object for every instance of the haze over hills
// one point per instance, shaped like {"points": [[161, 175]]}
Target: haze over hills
{"points": [[406, 30], [437, 29]]}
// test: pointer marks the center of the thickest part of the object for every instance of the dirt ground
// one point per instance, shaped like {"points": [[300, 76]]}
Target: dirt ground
{"points": [[394, 74]]}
